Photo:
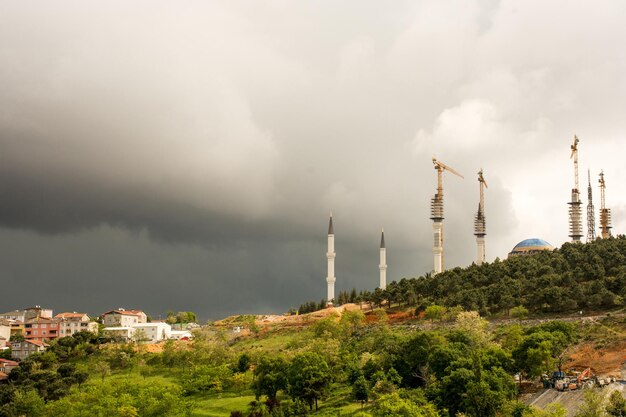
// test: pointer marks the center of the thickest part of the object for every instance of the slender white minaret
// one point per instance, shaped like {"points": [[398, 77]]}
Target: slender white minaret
{"points": [[480, 227], [330, 255], [383, 262]]}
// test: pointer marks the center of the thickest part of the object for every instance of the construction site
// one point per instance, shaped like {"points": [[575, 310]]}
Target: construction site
{"points": [[588, 366], [480, 225]]}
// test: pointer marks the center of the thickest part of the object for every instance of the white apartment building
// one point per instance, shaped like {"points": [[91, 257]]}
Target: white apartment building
{"points": [[140, 332], [123, 318], [152, 332], [70, 323]]}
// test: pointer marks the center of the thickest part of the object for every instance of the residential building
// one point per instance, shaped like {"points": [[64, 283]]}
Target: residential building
{"points": [[22, 350], [152, 332], [17, 327], [19, 315], [119, 333], [5, 332], [180, 335], [7, 366], [40, 329], [123, 318], [37, 312], [70, 323]]}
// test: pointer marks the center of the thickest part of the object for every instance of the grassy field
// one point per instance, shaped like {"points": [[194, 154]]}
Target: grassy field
{"points": [[220, 405]]}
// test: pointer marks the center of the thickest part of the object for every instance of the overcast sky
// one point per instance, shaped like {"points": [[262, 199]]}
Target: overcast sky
{"points": [[185, 155]]}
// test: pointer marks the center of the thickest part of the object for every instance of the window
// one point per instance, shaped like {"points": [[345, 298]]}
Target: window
{"points": [[35, 332], [43, 326], [43, 332]]}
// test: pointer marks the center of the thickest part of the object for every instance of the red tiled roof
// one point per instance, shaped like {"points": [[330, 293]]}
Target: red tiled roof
{"points": [[8, 362], [69, 315], [126, 312], [42, 320], [3, 376], [37, 342]]}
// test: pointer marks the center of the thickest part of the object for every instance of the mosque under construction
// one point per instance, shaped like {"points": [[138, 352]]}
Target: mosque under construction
{"points": [[525, 247]]}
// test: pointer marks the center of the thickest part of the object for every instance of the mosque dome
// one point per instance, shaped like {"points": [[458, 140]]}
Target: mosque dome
{"points": [[530, 246]]}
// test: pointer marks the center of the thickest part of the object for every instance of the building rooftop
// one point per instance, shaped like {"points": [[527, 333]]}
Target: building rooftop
{"points": [[532, 245], [125, 312], [69, 315]]}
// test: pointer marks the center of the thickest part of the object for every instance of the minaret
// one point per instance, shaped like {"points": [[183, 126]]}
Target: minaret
{"points": [[591, 214], [480, 227], [383, 262], [436, 215], [330, 255], [575, 215], [605, 213]]}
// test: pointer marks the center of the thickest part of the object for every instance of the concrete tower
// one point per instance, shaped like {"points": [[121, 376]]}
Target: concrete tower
{"points": [[480, 225], [436, 215], [575, 211], [383, 262], [330, 255], [605, 213]]}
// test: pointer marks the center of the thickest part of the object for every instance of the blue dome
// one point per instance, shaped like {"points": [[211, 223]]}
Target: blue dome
{"points": [[532, 242], [529, 246]]}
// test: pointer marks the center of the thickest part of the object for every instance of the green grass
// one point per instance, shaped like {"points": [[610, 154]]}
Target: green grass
{"points": [[271, 342], [220, 405]]}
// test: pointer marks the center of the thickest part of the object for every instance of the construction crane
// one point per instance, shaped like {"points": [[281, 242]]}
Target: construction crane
{"points": [[436, 213], [591, 213], [574, 155], [605, 213], [575, 215], [480, 226]]}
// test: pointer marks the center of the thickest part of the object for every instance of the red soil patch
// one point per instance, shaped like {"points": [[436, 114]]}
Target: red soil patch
{"points": [[400, 316], [606, 361]]}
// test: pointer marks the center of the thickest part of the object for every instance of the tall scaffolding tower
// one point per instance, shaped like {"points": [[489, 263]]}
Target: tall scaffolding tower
{"points": [[591, 214], [480, 226], [436, 215], [605, 213], [575, 215]]}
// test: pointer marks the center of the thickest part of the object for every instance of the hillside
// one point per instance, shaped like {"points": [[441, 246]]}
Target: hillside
{"points": [[421, 354]]}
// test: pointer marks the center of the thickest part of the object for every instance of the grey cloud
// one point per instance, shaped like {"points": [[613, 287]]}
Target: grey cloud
{"points": [[198, 148]]}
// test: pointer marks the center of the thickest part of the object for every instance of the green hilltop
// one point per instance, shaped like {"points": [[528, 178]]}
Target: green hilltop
{"points": [[472, 341]]}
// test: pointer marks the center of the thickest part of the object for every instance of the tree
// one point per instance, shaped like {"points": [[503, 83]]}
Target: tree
{"points": [[25, 403], [140, 336], [270, 377], [128, 397], [360, 390], [327, 327], [434, 312], [103, 368], [309, 378], [519, 312], [617, 405], [17, 337], [243, 363], [352, 320], [592, 406], [392, 405]]}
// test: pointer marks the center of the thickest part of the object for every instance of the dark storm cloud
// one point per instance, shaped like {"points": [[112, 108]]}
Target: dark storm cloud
{"points": [[159, 155], [62, 205]]}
